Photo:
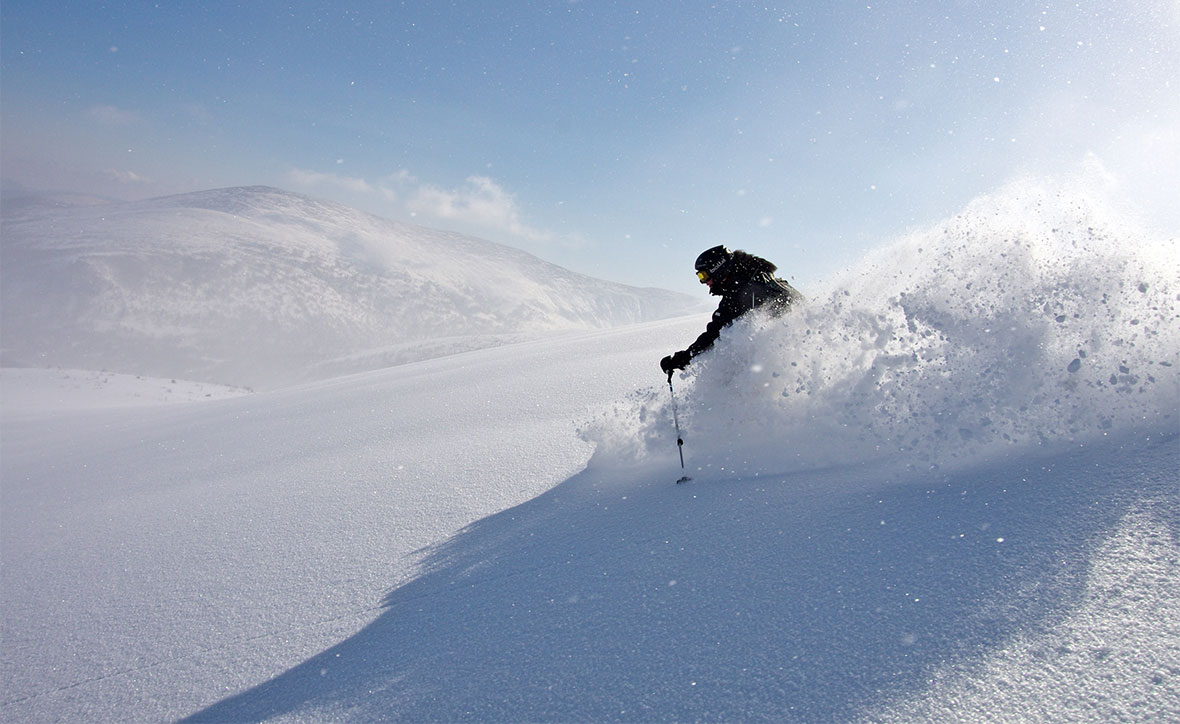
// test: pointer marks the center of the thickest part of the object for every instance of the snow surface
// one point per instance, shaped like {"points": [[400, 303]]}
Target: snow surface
{"points": [[948, 489], [27, 390]]}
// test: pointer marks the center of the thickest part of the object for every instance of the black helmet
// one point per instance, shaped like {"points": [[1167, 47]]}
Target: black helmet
{"points": [[712, 261]]}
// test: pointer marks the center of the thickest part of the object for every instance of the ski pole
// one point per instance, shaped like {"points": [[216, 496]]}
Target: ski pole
{"points": [[676, 422]]}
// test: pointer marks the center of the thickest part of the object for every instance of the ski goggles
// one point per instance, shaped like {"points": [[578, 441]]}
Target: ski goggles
{"points": [[703, 276]]}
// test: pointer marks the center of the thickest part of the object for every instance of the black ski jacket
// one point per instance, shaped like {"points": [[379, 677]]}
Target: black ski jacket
{"points": [[750, 286]]}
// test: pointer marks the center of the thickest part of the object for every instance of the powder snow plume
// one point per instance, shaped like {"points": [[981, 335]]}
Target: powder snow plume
{"points": [[1038, 316]]}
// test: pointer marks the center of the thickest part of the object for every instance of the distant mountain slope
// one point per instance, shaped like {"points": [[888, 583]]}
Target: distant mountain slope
{"points": [[259, 286]]}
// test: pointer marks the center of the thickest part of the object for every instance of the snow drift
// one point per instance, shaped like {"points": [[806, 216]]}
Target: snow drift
{"points": [[261, 287]]}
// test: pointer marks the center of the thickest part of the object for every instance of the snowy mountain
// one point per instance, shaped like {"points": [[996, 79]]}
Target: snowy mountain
{"points": [[257, 286], [946, 489]]}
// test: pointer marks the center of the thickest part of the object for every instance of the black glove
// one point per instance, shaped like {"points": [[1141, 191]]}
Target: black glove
{"points": [[676, 361]]}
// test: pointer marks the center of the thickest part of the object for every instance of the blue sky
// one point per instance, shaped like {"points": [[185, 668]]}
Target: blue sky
{"points": [[618, 139]]}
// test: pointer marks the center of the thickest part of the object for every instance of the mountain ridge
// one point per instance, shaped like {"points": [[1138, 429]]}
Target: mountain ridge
{"points": [[263, 287]]}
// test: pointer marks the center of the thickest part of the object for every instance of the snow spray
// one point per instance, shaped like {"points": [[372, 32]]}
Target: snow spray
{"points": [[1042, 315]]}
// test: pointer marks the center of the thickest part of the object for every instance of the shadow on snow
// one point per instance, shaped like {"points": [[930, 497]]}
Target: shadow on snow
{"points": [[808, 597]]}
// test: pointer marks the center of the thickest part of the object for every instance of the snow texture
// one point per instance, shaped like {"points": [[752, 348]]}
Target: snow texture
{"points": [[944, 490]]}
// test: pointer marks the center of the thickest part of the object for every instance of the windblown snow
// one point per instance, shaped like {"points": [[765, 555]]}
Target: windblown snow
{"points": [[946, 489]]}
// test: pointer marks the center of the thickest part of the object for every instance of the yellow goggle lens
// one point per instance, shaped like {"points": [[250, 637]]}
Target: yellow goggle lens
{"points": [[703, 276]]}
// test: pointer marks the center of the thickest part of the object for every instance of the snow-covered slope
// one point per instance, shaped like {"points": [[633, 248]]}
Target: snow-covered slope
{"points": [[257, 286], [436, 542]]}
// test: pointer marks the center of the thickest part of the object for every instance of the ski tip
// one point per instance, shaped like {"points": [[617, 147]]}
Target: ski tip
{"points": [[683, 479]]}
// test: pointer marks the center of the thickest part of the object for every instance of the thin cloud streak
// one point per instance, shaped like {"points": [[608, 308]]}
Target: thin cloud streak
{"points": [[109, 115], [480, 202]]}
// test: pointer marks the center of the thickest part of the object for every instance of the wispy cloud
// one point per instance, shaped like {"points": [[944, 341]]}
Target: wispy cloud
{"points": [[479, 202], [316, 179], [198, 113], [125, 177], [109, 115]]}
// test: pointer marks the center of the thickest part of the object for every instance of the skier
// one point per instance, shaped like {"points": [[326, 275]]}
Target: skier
{"points": [[744, 282]]}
